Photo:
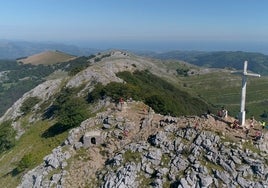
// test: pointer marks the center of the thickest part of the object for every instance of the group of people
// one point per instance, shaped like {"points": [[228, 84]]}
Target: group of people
{"points": [[223, 113], [258, 133]]}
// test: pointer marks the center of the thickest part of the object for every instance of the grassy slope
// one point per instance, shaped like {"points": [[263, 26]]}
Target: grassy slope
{"points": [[30, 143], [224, 89], [257, 62], [221, 88]]}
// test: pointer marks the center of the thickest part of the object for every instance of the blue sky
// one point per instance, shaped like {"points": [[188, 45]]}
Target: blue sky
{"points": [[136, 21]]}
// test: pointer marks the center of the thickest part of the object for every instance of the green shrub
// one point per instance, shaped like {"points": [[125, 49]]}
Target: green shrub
{"points": [[7, 136], [69, 111], [182, 71], [157, 102], [162, 96], [114, 90], [72, 112], [26, 162], [91, 56], [121, 90], [97, 59], [75, 70], [97, 93], [28, 104], [130, 156]]}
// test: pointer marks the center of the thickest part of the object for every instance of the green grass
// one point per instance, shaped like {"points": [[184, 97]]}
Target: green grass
{"points": [[165, 160], [250, 146], [130, 156], [211, 166], [144, 182], [224, 89], [82, 154], [161, 95], [31, 143]]}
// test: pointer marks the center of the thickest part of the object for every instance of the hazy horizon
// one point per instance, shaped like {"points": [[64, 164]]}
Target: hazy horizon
{"points": [[140, 25], [164, 46], [158, 46]]}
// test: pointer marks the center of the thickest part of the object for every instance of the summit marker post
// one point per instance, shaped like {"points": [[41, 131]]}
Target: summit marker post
{"points": [[245, 74]]}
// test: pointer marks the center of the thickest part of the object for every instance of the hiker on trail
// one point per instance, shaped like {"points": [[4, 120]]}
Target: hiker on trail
{"points": [[247, 132], [197, 125], [263, 124], [207, 114], [235, 124], [121, 102], [220, 113], [252, 122], [223, 113], [125, 133], [144, 110], [258, 135]]}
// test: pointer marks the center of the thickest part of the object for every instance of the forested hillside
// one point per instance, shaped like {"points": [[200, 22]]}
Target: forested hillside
{"points": [[17, 78]]}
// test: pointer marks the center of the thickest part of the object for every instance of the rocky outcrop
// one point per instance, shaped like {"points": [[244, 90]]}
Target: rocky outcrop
{"points": [[80, 137], [38, 177], [43, 91], [179, 154], [263, 144], [176, 154], [186, 158]]}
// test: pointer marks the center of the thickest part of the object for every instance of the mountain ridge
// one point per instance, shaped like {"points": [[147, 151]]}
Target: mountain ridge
{"points": [[39, 161]]}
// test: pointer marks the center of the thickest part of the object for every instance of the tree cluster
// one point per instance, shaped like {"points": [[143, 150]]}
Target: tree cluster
{"points": [[23, 77], [162, 96], [7, 136]]}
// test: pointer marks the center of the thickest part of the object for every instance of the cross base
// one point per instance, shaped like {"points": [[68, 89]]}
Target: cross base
{"points": [[242, 117]]}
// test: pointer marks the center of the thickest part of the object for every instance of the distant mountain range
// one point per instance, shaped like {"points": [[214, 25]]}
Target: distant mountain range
{"points": [[258, 62], [223, 59], [18, 49]]}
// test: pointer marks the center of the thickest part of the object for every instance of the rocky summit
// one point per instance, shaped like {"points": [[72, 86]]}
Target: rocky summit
{"points": [[128, 146]]}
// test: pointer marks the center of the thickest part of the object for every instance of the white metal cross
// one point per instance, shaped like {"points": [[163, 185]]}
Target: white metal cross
{"points": [[242, 114]]}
